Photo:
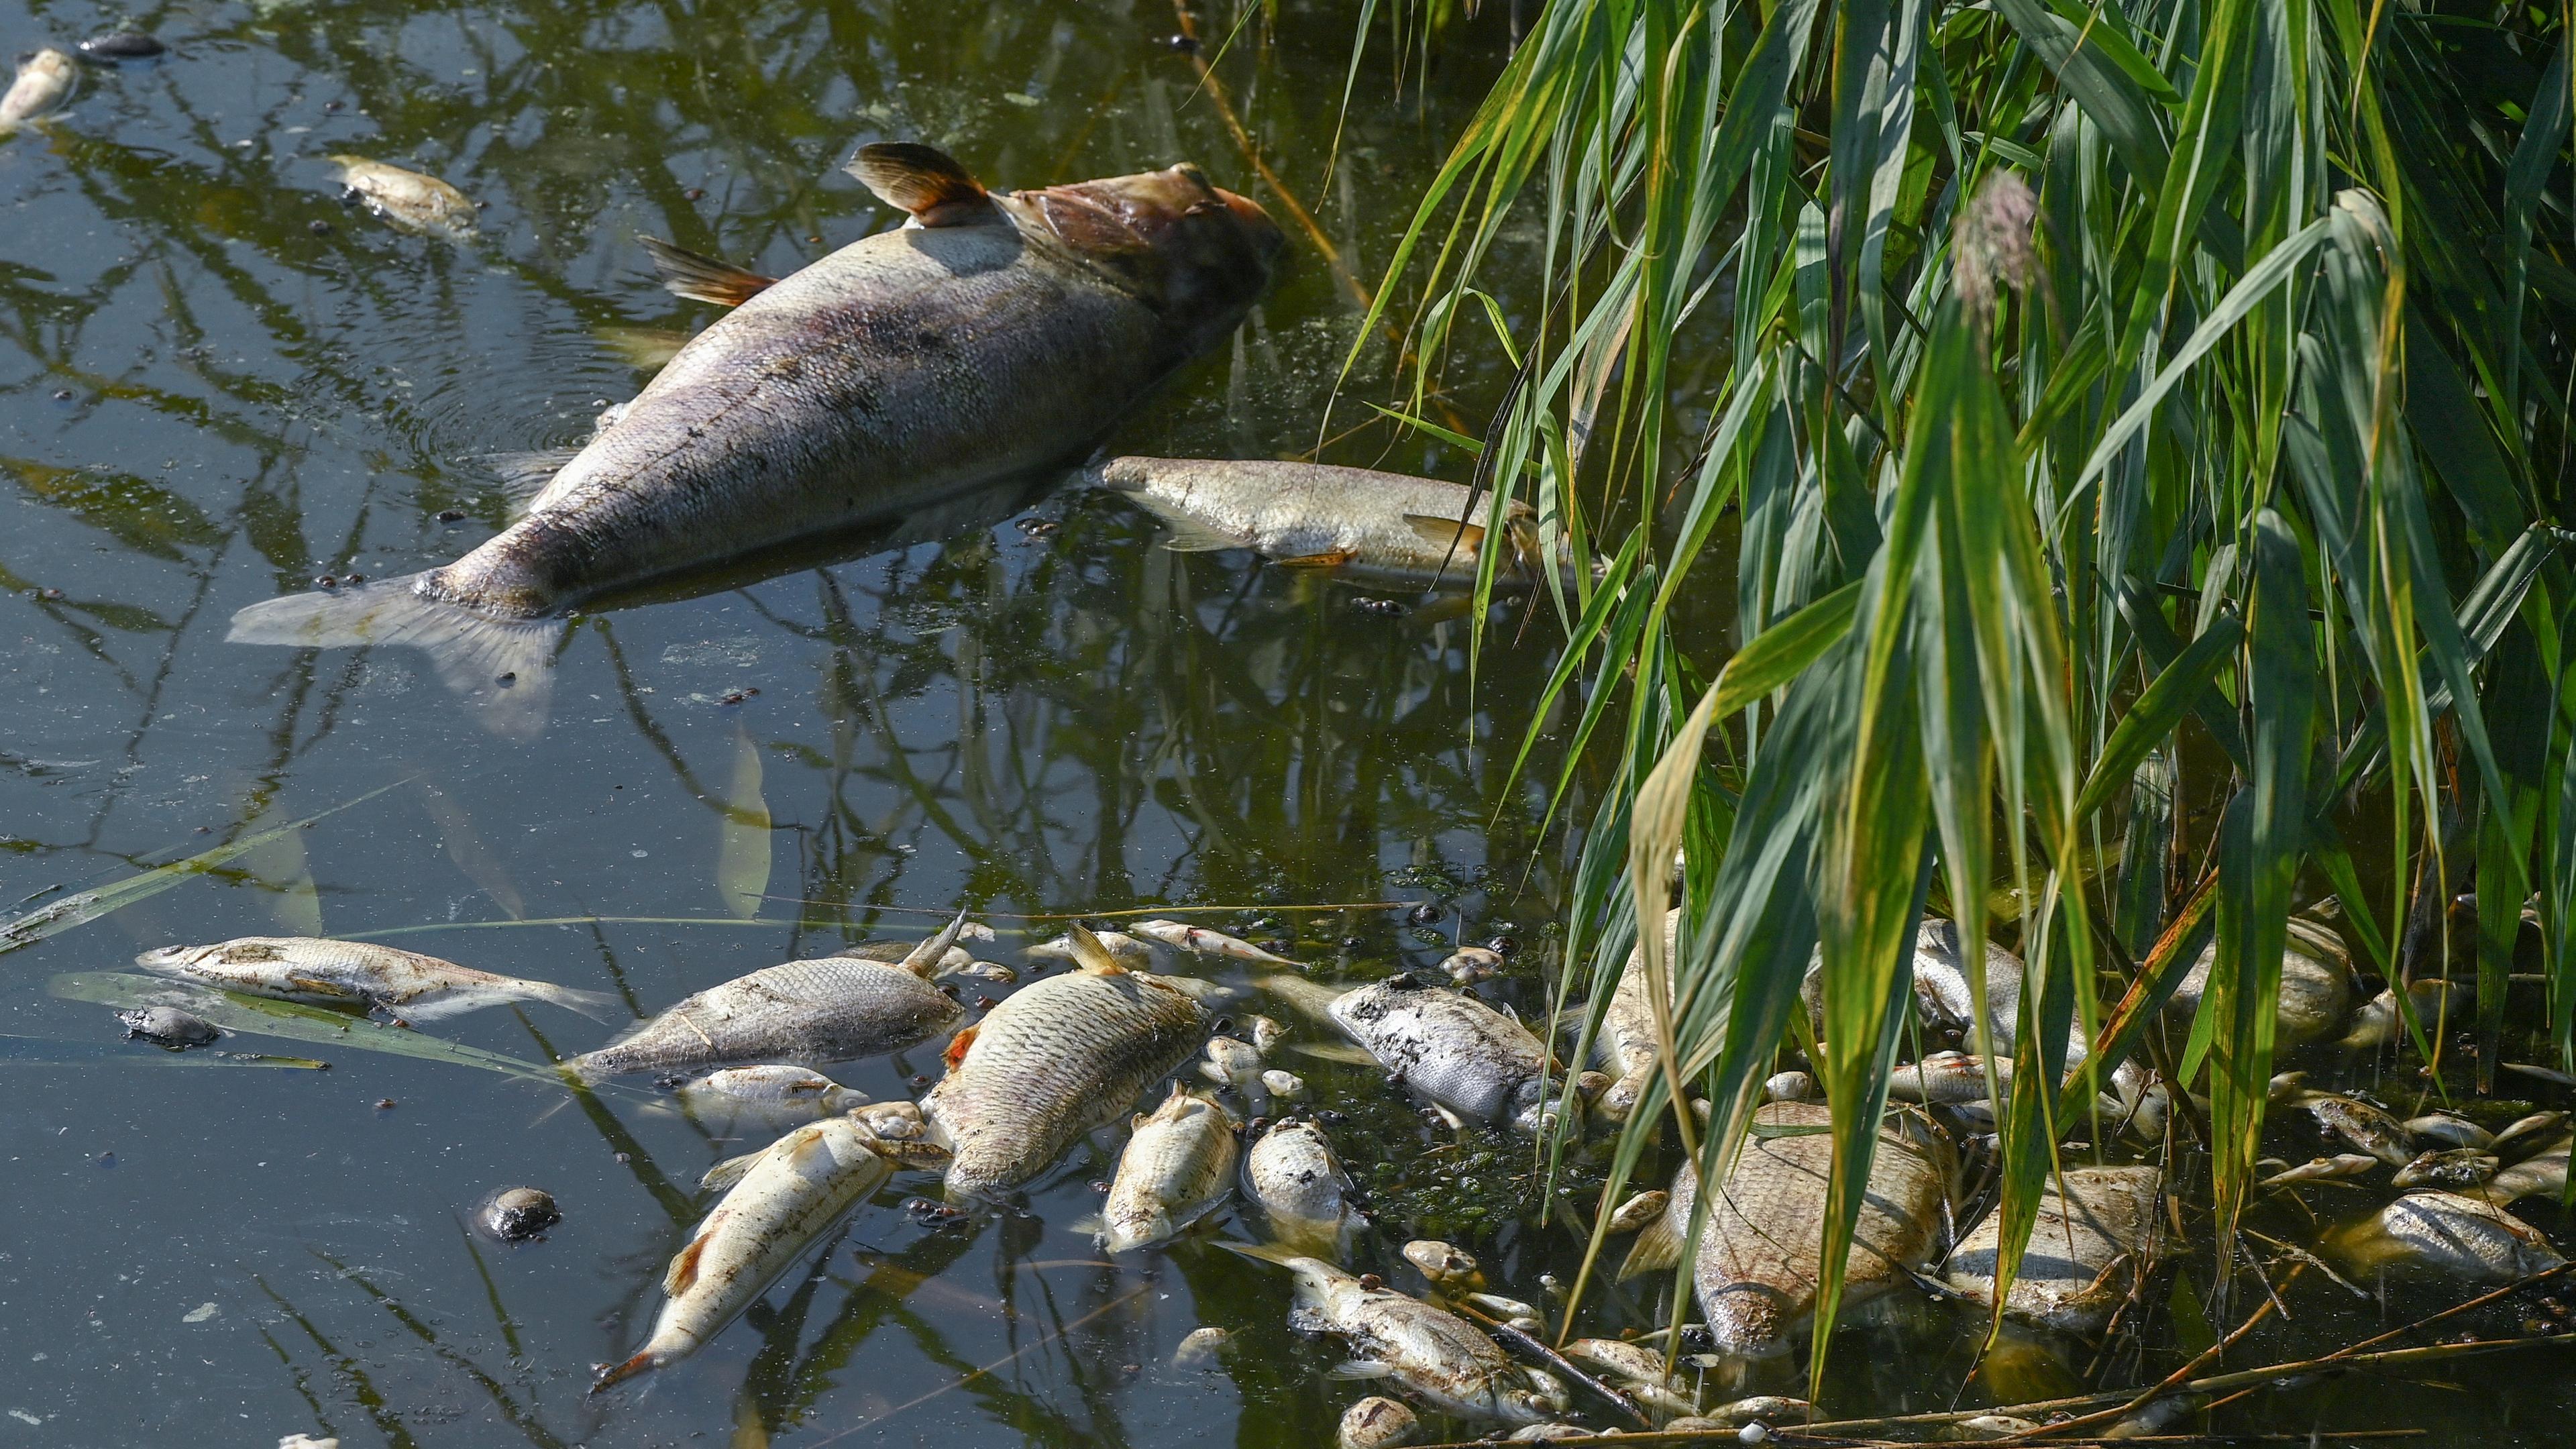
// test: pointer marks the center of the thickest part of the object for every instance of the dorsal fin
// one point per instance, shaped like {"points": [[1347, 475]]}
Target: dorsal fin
{"points": [[1092, 954], [925, 181], [957, 1046], [923, 960], [703, 278]]}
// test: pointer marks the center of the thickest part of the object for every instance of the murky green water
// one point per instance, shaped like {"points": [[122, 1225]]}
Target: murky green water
{"points": [[216, 383]]}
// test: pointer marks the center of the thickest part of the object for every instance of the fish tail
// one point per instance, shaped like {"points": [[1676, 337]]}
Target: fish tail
{"points": [[619, 1373], [1265, 1252], [599, 1006], [502, 667], [1312, 998]]}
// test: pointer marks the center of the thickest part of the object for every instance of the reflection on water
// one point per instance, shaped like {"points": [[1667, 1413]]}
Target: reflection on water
{"points": [[217, 383]]}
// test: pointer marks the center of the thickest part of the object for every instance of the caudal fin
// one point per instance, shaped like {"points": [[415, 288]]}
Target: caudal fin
{"points": [[600, 1006], [502, 667]]}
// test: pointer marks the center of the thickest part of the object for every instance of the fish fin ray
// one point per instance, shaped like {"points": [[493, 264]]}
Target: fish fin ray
{"points": [[684, 1265], [474, 653], [1657, 1249], [1447, 532], [599, 1006], [624, 1371], [1352, 1369], [1092, 954], [523, 476], [1182, 535], [923, 960], [957, 1046], [925, 181], [1332, 560], [702, 278], [723, 1176]]}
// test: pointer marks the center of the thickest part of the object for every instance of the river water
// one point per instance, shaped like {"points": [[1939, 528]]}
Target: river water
{"points": [[217, 383]]}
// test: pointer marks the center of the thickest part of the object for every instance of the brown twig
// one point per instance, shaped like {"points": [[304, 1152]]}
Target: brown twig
{"points": [[1243, 142], [1530, 1345]]}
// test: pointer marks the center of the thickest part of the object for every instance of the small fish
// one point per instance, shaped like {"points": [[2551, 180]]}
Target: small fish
{"points": [[1764, 1409], [2527, 1134], [2315, 994], [1058, 1058], [776, 1088], [1640, 1210], [1639, 1370], [1377, 1422], [1453, 1049], [1283, 1086], [1360, 522], [1627, 1043], [2348, 1120], [1176, 1169], [2445, 1234], [1447, 1268], [1126, 950], [2453, 1167], [1995, 1426], [44, 82], [1267, 1034], [168, 1026], [793, 1191], [1948, 1078], [1232, 1063], [1201, 940], [1470, 964], [1545, 1433], [359, 973], [2448, 1130], [1201, 1345], [2551, 1075], [2324, 1169], [408, 199], [810, 1013], [2095, 1231], [1304, 1197], [1445, 1360]]}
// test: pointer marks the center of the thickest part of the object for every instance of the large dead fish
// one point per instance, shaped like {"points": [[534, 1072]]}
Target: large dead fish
{"points": [[1356, 521], [791, 1191], [993, 333], [1761, 1250], [1304, 1197], [807, 1013], [1626, 1044], [359, 973], [1054, 1060], [1464, 1056], [2095, 1230], [2316, 985], [1176, 1169], [1445, 1360], [2447, 1234]]}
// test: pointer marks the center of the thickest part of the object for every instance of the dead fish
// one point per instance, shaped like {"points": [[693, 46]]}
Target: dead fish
{"points": [[1453, 1049], [2526, 1135], [408, 199], [2447, 1234], [2348, 1120], [2448, 1130], [2450, 1167], [1639, 1371], [121, 45], [1053, 1061], [1202, 941], [776, 1088], [2551, 1075], [2542, 1174], [2324, 1169], [1359, 522], [1994, 1426], [1442, 1358], [1231, 1063], [1792, 1086], [790, 1194], [1283, 1086], [1447, 1268], [1949, 1078], [955, 961], [44, 82], [1176, 1169], [517, 1214], [1377, 1422], [1126, 950], [1761, 1249], [1764, 1409], [810, 1013], [359, 973], [992, 334], [1266, 1034], [168, 1026], [2316, 984], [1470, 964], [1304, 1197], [2377, 1022], [1640, 1210], [2094, 1233], [1546, 1433], [1626, 1042], [1200, 1345]]}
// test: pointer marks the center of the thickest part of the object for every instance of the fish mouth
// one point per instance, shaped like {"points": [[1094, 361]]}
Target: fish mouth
{"points": [[1255, 223]]}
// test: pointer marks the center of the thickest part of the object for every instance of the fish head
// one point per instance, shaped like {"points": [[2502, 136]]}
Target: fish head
{"points": [[162, 958], [1315, 1283], [1200, 253], [1533, 1113], [1748, 1320], [1529, 1396]]}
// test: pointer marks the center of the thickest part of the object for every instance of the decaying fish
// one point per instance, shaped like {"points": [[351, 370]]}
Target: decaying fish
{"points": [[2377, 1023], [1176, 1169], [2348, 1120], [168, 1026], [2095, 1230], [2316, 984], [992, 334], [1377, 1422], [1229, 1062], [1639, 1372], [2527, 1135], [1053, 1061], [1304, 1197], [773, 1089], [44, 82], [2447, 1234], [2448, 1130], [1267, 1034], [1363, 523], [1134, 953], [1949, 1078], [1182, 936], [2453, 1167], [1760, 1252], [810, 1013], [1470, 964], [1626, 1042], [2323, 1169], [407, 198], [1637, 1211], [1442, 1358], [1463, 1055], [1283, 1086], [1445, 1267], [1790, 1086], [793, 1191], [359, 973], [1201, 1346]]}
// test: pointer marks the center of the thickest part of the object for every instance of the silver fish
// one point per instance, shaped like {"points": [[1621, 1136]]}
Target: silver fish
{"points": [[1266, 1034], [1304, 1197], [44, 81], [811, 1013], [1053, 1061], [2316, 984], [1129, 951], [992, 334], [1442, 1358], [2377, 1022], [1201, 1345], [2454, 1167], [359, 973], [1639, 1371], [1949, 1078], [897, 1126], [1176, 1169], [1377, 1422], [1202, 941], [1363, 523], [1232, 1063], [408, 199], [1455, 1050], [2446, 1234], [1761, 1250], [772, 1089], [2527, 1135], [2449, 1131], [1283, 1086], [791, 1193], [1626, 1042], [2095, 1230], [2324, 1169]]}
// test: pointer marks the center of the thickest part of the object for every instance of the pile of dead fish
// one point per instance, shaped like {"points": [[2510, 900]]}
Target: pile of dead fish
{"points": [[1063, 1055]]}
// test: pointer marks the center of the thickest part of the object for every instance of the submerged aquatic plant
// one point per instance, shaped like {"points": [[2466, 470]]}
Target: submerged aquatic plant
{"points": [[2138, 462]]}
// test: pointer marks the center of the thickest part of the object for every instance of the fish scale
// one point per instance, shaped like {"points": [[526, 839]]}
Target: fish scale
{"points": [[1053, 1061]]}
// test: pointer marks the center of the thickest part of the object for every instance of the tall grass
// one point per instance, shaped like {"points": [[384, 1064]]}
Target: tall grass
{"points": [[2146, 435]]}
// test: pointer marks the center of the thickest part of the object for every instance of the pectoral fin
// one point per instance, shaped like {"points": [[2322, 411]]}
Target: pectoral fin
{"points": [[684, 1268], [924, 181], [703, 278], [1333, 560]]}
